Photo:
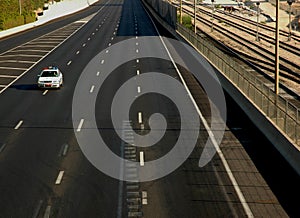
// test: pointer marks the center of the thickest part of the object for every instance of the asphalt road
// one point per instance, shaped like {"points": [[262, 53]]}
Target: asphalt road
{"points": [[43, 171]]}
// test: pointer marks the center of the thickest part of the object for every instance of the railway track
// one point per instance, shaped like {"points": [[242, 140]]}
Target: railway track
{"points": [[253, 51]]}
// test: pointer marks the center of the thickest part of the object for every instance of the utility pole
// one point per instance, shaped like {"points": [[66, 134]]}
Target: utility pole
{"points": [[195, 20], [258, 12], [277, 50]]}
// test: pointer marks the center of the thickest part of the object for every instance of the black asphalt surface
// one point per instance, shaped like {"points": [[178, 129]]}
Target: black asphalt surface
{"points": [[38, 143]]}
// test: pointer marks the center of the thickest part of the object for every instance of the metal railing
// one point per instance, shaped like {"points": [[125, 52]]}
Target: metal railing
{"points": [[284, 115]]}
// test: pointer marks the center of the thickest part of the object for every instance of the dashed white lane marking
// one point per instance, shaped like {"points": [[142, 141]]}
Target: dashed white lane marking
{"points": [[142, 160], [89, 39], [137, 72], [112, 38], [102, 61], [136, 37], [98, 73], [63, 151], [137, 60], [80, 125], [106, 51], [47, 212], [144, 198], [139, 89], [93, 33], [19, 124], [69, 63], [109, 44], [77, 52], [137, 51], [45, 92], [83, 45], [2, 147], [92, 89], [97, 29], [59, 177], [140, 117], [136, 43], [37, 209]]}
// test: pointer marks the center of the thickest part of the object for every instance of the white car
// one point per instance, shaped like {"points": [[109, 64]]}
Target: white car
{"points": [[50, 77]]}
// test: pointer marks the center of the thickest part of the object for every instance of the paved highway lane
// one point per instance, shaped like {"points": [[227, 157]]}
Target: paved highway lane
{"points": [[43, 171]]}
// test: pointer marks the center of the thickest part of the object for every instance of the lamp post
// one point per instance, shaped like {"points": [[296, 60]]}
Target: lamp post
{"points": [[20, 7], [290, 2], [258, 12], [195, 19], [212, 15]]}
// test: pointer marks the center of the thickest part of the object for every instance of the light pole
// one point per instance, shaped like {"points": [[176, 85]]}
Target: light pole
{"points": [[20, 7], [212, 15], [257, 7], [290, 2], [195, 19]]}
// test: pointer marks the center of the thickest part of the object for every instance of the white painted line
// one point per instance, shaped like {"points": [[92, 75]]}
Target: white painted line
{"points": [[2, 147], [97, 29], [59, 177], [92, 89], [98, 73], [140, 117], [137, 72], [114, 33], [37, 209], [83, 45], [45, 92], [66, 147], [144, 194], [136, 37], [19, 124], [80, 125], [142, 160], [106, 51], [102, 61], [136, 43], [109, 44], [69, 63], [144, 201], [137, 60], [112, 38], [93, 33], [7, 76], [139, 89], [17, 61], [137, 51], [211, 136], [89, 39], [13, 68], [47, 212], [77, 52]]}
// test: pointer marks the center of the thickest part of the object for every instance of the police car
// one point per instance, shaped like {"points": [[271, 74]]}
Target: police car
{"points": [[50, 77]]}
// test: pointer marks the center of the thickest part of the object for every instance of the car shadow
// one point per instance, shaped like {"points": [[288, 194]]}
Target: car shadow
{"points": [[25, 87]]}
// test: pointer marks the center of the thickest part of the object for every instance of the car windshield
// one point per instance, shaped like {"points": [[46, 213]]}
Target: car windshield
{"points": [[49, 73]]}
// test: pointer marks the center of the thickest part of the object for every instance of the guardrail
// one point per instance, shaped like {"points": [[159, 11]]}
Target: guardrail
{"points": [[280, 111]]}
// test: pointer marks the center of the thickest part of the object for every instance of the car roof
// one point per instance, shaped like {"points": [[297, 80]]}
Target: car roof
{"points": [[51, 68]]}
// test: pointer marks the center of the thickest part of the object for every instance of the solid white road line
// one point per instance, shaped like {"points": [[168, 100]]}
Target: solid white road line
{"points": [[7, 76], [59, 177], [142, 160], [92, 89], [19, 124], [140, 117], [211, 135], [80, 125]]}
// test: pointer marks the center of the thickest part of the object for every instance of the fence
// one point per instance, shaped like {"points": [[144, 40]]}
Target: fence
{"points": [[281, 112]]}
